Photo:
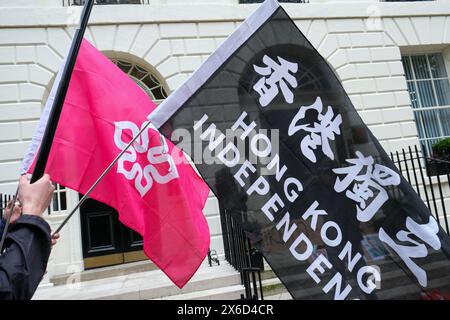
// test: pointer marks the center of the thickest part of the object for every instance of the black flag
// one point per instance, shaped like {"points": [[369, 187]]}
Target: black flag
{"points": [[276, 137]]}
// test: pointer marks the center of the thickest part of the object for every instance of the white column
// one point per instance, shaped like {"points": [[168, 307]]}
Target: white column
{"points": [[67, 256]]}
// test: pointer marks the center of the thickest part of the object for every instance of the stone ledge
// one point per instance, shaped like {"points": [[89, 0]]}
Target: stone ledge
{"points": [[39, 17]]}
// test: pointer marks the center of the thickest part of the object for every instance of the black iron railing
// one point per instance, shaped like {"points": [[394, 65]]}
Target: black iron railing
{"points": [[429, 177], [251, 285], [242, 255], [236, 244], [104, 2], [4, 199]]}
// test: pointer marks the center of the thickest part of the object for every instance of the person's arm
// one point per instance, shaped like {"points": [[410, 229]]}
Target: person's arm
{"points": [[24, 262], [28, 242], [16, 213], [2, 226]]}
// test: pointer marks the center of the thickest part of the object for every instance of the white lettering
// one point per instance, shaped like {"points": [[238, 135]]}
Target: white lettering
{"points": [[323, 233], [370, 285], [261, 186], [229, 162], [240, 123], [293, 194], [308, 250], [242, 172], [275, 162], [351, 261], [336, 281], [288, 230], [317, 265], [255, 143], [199, 124], [272, 205], [214, 140], [314, 214]]}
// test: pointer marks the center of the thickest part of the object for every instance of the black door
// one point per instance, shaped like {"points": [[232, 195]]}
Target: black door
{"points": [[106, 241]]}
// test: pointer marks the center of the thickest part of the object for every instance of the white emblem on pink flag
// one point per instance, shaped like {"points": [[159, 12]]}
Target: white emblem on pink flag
{"points": [[143, 174]]}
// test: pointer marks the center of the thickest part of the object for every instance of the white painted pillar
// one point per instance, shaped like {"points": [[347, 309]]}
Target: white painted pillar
{"points": [[67, 256]]}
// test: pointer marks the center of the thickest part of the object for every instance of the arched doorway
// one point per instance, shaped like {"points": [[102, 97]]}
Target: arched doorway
{"points": [[105, 240]]}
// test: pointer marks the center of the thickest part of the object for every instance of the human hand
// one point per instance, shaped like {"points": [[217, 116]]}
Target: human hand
{"points": [[16, 212], [35, 198], [55, 238]]}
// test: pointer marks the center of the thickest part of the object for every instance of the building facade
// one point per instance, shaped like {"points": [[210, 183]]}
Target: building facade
{"points": [[393, 58]]}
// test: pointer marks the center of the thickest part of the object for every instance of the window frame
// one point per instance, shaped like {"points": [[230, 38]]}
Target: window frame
{"points": [[417, 104], [59, 193], [155, 78]]}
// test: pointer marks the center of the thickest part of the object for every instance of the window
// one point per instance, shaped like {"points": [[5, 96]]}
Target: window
{"points": [[59, 202], [81, 2], [144, 79], [429, 89]]}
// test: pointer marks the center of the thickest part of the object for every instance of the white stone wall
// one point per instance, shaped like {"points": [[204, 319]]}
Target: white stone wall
{"points": [[362, 41]]}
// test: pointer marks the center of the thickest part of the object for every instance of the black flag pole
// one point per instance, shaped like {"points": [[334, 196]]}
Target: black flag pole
{"points": [[60, 96], [55, 113]]}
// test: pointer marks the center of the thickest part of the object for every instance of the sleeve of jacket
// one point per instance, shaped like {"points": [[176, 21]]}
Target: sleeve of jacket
{"points": [[2, 226], [24, 261]]}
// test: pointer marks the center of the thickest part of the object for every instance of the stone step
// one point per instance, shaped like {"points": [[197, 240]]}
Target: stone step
{"points": [[106, 272], [141, 285], [279, 296], [224, 293], [274, 287]]}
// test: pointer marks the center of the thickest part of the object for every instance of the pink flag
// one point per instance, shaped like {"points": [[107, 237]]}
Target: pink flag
{"points": [[158, 198]]}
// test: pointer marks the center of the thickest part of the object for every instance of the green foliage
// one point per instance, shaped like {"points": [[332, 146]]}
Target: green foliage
{"points": [[441, 150]]}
